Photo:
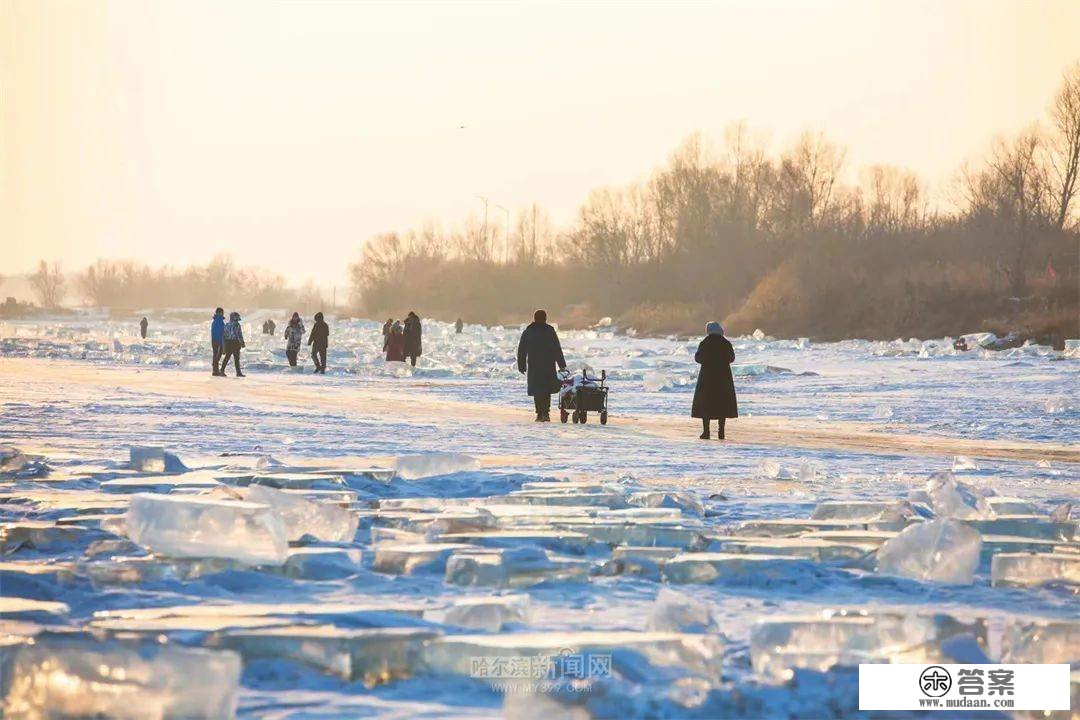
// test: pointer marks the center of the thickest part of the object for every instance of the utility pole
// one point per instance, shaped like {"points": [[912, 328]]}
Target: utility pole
{"points": [[484, 231]]}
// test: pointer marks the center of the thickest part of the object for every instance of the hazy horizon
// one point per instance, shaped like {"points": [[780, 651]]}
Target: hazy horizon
{"points": [[287, 134]]}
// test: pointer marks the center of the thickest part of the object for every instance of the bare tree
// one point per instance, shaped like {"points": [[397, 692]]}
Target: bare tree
{"points": [[894, 199], [1064, 143], [1014, 189], [49, 285], [808, 174]]}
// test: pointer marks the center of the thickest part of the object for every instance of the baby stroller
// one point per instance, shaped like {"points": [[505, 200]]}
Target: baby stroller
{"points": [[580, 395]]}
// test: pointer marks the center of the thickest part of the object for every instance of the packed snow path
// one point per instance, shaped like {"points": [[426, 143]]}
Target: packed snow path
{"points": [[353, 408]]}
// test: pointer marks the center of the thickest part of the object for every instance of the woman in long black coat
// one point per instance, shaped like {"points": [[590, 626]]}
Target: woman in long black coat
{"points": [[714, 396], [538, 353]]}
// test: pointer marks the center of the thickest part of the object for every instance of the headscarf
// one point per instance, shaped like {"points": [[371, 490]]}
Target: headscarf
{"points": [[234, 316], [714, 328]]}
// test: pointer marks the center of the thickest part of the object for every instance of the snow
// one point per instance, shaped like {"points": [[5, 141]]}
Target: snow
{"points": [[352, 540]]}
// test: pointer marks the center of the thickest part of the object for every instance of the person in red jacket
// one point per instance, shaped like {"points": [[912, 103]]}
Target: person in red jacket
{"points": [[395, 343]]}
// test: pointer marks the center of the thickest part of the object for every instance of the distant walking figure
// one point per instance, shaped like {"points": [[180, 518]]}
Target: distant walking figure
{"points": [[538, 353], [458, 326], [294, 335], [386, 331], [395, 343], [319, 340], [142, 327], [217, 339], [269, 327], [413, 346], [234, 341], [714, 396]]}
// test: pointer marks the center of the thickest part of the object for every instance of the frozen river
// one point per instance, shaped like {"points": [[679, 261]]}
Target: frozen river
{"points": [[616, 541]]}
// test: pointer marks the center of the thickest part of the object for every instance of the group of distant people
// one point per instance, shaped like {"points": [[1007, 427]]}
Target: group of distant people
{"points": [[227, 339], [539, 357]]}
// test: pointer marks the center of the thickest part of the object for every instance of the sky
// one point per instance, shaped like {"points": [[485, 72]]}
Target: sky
{"points": [[288, 133]]}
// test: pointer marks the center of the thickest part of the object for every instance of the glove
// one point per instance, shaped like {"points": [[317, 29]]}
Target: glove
{"points": [[521, 369]]}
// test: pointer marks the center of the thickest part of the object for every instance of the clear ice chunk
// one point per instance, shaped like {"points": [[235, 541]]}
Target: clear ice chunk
{"points": [[819, 642], [1011, 506], [684, 501], [678, 612], [1032, 569], [301, 516], [414, 467], [655, 381], [818, 550], [952, 499], [735, 568], [187, 526], [963, 462], [146, 458], [490, 614], [39, 535], [519, 567], [293, 480], [1029, 526], [371, 655], [315, 562], [414, 558], [643, 533], [941, 550], [560, 541], [856, 510], [1040, 641], [492, 656], [77, 675]]}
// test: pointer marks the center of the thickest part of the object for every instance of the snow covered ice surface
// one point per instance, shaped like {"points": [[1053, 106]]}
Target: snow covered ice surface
{"points": [[386, 541]]}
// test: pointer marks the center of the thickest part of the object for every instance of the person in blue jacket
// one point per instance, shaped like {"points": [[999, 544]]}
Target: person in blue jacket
{"points": [[217, 338]]}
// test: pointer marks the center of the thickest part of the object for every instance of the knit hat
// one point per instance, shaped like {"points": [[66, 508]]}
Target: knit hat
{"points": [[714, 328]]}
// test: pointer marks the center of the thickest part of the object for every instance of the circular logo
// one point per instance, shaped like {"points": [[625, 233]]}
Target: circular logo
{"points": [[935, 681]]}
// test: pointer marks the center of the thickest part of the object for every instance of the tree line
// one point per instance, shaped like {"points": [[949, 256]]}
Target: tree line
{"points": [[778, 241], [126, 285]]}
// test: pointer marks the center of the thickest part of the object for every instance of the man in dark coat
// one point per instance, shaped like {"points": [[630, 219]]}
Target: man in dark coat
{"points": [[319, 339], [413, 346], [538, 353], [142, 327], [714, 396]]}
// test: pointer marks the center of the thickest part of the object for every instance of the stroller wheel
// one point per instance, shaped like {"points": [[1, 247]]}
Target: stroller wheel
{"points": [[563, 415], [576, 418], [603, 418], [584, 416]]}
